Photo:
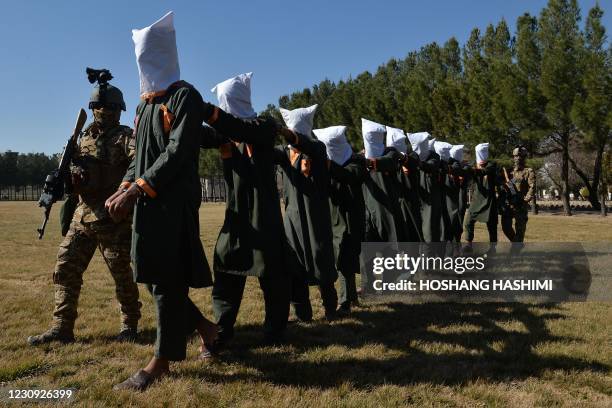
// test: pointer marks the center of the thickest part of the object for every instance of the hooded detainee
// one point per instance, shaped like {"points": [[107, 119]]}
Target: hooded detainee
{"points": [[483, 205], [347, 171], [163, 186], [251, 241], [308, 227]]}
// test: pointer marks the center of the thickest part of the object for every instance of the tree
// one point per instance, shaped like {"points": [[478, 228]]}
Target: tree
{"points": [[592, 109], [560, 42]]}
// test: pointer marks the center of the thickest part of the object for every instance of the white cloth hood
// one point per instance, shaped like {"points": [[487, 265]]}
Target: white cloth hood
{"points": [[456, 152], [420, 144], [234, 96], [373, 138], [443, 149], [396, 138], [299, 120], [482, 152], [156, 55], [334, 138], [430, 144]]}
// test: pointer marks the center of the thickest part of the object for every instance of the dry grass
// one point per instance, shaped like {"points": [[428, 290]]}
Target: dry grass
{"points": [[384, 355]]}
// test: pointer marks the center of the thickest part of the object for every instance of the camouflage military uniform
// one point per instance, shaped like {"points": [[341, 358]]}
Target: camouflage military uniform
{"points": [[524, 180], [102, 159]]}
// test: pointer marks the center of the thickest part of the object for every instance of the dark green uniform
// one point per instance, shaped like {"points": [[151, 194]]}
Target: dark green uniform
{"points": [[483, 205], [348, 221], [307, 222], [431, 198], [524, 180], [167, 252], [251, 241]]}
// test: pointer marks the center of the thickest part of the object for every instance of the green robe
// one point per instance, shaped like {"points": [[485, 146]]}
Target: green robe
{"points": [[431, 199], [408, 177], [307, 220], [483, 206], [347, 211], [381, 193], [251, 241], [166, 246], [456, 197]]}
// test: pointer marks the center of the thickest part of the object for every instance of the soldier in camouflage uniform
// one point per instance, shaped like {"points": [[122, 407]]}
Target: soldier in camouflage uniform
{"points": [[524, 180], [104, 152]]}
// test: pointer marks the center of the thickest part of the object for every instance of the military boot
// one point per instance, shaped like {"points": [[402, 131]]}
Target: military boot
{"points": [[127, 334], [50, 336]]}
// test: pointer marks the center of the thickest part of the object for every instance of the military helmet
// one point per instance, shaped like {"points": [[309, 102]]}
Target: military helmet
{"points": [[519, 151], [106, 95]]}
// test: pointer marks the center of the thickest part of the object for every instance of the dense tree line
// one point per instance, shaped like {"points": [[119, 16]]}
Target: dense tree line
{"points": [[547, 87], [21, 169]]}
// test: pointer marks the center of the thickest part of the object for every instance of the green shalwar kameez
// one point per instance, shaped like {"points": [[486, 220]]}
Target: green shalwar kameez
{"points": [[348, 222], [307, 222], [251, 241], [167, 253]]}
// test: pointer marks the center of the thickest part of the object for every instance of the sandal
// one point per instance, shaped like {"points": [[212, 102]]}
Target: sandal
{"points": [[137, 382]]}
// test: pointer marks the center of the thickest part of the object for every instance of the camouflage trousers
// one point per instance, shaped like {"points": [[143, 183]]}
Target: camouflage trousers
{"points": [[515, 233], [73, 257]]}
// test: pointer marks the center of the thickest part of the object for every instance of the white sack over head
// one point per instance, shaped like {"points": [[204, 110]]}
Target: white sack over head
{"points": [[234, 96], [334, 138], [430, 144], [482, 152], [396, 138], [299, 120], [443, 149], [156, 55], [420, 143], [373, 138], [456, 152]]}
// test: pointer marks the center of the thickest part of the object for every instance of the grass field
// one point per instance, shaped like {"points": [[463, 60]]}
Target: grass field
{"points": [[383, 355]]}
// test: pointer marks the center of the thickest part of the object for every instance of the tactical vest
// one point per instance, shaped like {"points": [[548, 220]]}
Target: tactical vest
{"points": [[104, 158]]}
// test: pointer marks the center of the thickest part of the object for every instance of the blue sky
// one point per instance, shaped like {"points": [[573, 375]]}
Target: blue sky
{"points": [[288, 45]]}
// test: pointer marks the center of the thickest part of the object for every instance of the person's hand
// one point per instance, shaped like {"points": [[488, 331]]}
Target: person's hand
{"points": [[122, 204], [110, 199]]}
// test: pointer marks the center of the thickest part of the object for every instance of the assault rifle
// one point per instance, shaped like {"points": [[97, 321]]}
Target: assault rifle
{"points": [[512, 196], [58, 181]]}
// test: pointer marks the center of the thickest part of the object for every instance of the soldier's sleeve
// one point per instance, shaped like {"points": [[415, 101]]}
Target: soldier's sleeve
{"points": [[130, 152], [531, 182], [186, 107], [261, 131]]}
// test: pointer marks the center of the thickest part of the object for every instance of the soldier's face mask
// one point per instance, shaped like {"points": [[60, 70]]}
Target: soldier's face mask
{"points": [[519, 160], [106, 117]]}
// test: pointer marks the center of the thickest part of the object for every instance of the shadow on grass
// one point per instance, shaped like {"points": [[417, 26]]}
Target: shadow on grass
{"points": [[412, 352]]}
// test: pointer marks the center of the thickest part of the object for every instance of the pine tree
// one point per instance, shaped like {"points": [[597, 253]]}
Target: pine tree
{"points": [[560, 80], [592, 109]]}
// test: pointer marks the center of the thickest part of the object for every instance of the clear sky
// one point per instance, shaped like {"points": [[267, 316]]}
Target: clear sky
{"points": [[289, 45]]}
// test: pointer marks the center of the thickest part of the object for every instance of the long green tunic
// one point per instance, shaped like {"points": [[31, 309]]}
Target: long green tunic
{"points": [[431, 199], [408, 177], [347, 209], [251, 241], [456, 197], [483, 206], [307, 220], [381, 193], [166, 246]]}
